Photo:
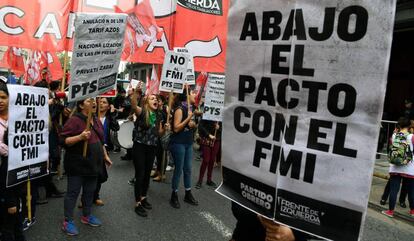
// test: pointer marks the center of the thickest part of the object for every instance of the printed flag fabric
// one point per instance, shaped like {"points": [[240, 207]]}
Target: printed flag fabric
{"points": [[35, 64], [142, 30], [200, 89], [155, 82], [206, 38], [13, 60]]}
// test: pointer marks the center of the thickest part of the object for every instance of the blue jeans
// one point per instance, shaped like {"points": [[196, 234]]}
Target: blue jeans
{"points": [[182, 156]]}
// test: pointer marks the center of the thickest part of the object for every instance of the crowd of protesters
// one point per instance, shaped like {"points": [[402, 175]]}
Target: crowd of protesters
{"points": [[161, 132]]}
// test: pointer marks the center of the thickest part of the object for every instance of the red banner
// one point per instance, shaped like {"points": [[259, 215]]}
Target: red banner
{"points": [[200, 26], [13, 60], [43, 24], [207, 36], [146, 38]]}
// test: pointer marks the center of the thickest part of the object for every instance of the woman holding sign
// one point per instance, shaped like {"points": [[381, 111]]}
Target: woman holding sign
{"points": [[82, 170], [148, 127], [10, 211], [181, 147]]}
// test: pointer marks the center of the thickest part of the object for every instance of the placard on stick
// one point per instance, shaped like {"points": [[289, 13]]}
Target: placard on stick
{"points": [[28, 133], [99, 40], [305, 87], [190, 77], [214, 100], [174, 72]]}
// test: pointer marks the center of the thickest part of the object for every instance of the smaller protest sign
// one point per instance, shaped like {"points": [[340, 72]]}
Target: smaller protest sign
{"points": [[28, 133], [214, 101], [111, 93], [99, 39], [190, 77], [174, 72]]}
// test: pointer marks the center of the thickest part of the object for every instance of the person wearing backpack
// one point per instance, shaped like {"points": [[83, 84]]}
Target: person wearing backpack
{"points": [[401, 165]]}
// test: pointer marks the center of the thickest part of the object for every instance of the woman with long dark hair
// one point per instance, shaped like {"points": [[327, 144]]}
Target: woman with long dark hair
{"points": [[148, 128], [10, 202], [82, 172], [181, 147]]}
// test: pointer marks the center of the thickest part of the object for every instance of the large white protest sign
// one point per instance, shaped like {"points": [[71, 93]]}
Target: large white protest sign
{"points": [[28, 133], [214, 100], [305, 87], [190, 77], [174, 72], [99, 39]]}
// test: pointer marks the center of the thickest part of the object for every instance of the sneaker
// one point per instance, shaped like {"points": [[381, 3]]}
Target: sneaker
{"points": [[145, 204], [412, 212], [198, 185], [188, 198], [27, 224], [389, 213], [69, 228], [211, 184], [383, 202], [403, 205], [91, 221], [140, 210], [169, 168]]}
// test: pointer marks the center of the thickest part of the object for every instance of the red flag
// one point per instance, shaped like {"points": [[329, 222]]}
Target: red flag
{"points": [[34, 69], [200, 87], [148, 86], [207, 40], [53, 66], [142, 29], [13, 60], [155, 82]]}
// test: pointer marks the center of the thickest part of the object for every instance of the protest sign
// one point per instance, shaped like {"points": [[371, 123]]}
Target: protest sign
{"points": [[28, 133], [99, 40], [214, 101], [174, 72], [305, 89], [190, 77], [111, 93]]}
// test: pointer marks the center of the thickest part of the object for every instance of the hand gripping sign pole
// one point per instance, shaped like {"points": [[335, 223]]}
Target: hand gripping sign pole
{"points": [[88, 128]]}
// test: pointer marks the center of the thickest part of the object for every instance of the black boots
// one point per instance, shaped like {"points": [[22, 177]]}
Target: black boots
{"points": [[188, 198], [174, 200], [140, 210]]}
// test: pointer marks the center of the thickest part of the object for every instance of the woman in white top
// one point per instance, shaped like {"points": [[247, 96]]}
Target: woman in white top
{"points": [[402, 172]]}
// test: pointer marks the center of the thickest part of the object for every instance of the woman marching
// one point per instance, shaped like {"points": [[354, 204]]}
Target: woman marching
{"points": [[106, 116], [402, 171], [10, 202], [148, 127], [181, 147], [210, 136], [82, 172]]}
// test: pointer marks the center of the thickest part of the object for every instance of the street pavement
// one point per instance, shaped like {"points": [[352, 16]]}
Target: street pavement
{"points": [[212, 220]]}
